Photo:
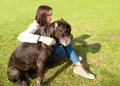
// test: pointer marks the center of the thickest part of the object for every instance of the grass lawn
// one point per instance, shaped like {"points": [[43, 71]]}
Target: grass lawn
{"points": [[96, 29]]}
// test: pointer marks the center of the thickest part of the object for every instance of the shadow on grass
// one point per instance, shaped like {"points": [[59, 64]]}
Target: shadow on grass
{"points": [[82, 48], [64, 67]]}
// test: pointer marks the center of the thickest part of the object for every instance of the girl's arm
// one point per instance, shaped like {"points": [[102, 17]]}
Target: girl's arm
{"points": [[28, 35]]}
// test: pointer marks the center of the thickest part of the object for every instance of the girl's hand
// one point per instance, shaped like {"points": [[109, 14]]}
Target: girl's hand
{"points": [[47, 40]]}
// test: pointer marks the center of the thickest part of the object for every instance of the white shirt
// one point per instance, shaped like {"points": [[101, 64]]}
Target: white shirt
{"points": [[28, 35]]}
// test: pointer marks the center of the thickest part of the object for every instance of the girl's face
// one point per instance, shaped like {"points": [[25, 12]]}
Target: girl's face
{"points": [[49, 16]]}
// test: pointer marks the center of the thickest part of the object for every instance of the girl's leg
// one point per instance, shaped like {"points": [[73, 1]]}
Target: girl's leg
{"points": [[68, 51], [78, 69], [71, 54], [59, 52]]}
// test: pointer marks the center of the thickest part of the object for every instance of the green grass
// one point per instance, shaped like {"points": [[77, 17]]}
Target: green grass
{"points": [[96, 29]]}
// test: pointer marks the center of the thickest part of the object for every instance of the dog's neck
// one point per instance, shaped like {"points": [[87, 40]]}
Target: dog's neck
{"points": [[42, 31], [45, 31], [48, 31]]}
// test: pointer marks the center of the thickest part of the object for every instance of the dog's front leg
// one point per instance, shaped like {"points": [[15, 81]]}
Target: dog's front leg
{"points": [[40, 66]]}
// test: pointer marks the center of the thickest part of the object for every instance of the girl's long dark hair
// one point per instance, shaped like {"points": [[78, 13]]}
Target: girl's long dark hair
{"points": [[41, 15]]}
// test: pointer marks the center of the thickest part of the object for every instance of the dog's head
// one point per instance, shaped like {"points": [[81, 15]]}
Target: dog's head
{"points": [[61, 31]]}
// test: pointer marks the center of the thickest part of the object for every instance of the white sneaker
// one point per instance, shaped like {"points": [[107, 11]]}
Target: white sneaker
{"points": [[90, 76], [78, 69], [80, 58]]}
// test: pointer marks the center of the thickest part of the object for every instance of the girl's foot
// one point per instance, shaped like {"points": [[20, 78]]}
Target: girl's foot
{"points": [[79, 69]]}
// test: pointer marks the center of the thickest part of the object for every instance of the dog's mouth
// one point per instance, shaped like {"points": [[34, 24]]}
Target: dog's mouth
{"points": [[65, 41]]}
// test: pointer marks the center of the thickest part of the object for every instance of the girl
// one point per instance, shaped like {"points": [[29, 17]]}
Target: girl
{"points": [[43, 17]]}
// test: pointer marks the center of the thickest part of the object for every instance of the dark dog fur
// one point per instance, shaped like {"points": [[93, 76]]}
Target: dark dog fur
{"points": [[33, 56]]}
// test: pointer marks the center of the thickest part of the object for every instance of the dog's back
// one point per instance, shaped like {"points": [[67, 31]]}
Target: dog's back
{"points": [[25, 55]]}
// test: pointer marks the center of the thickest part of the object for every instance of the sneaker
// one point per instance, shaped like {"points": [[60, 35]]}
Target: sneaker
{"points": [[80, 58], [78, 69]]}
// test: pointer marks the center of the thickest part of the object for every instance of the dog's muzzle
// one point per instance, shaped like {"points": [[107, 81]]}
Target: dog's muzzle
{"points": [[66, 40]]}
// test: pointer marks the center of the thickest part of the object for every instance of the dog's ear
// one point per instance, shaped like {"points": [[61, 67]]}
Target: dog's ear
{"points": [[62, 19], [56, 24]]}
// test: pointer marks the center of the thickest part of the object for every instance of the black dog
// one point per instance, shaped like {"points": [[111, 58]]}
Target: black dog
{"points": [[33, 56]]}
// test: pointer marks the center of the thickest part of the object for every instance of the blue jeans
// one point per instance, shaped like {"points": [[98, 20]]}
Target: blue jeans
{"points": [[66, 52]]}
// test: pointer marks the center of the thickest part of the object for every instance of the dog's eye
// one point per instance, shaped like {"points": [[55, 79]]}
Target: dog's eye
{"points": [[68, 31], [63, 35]]}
